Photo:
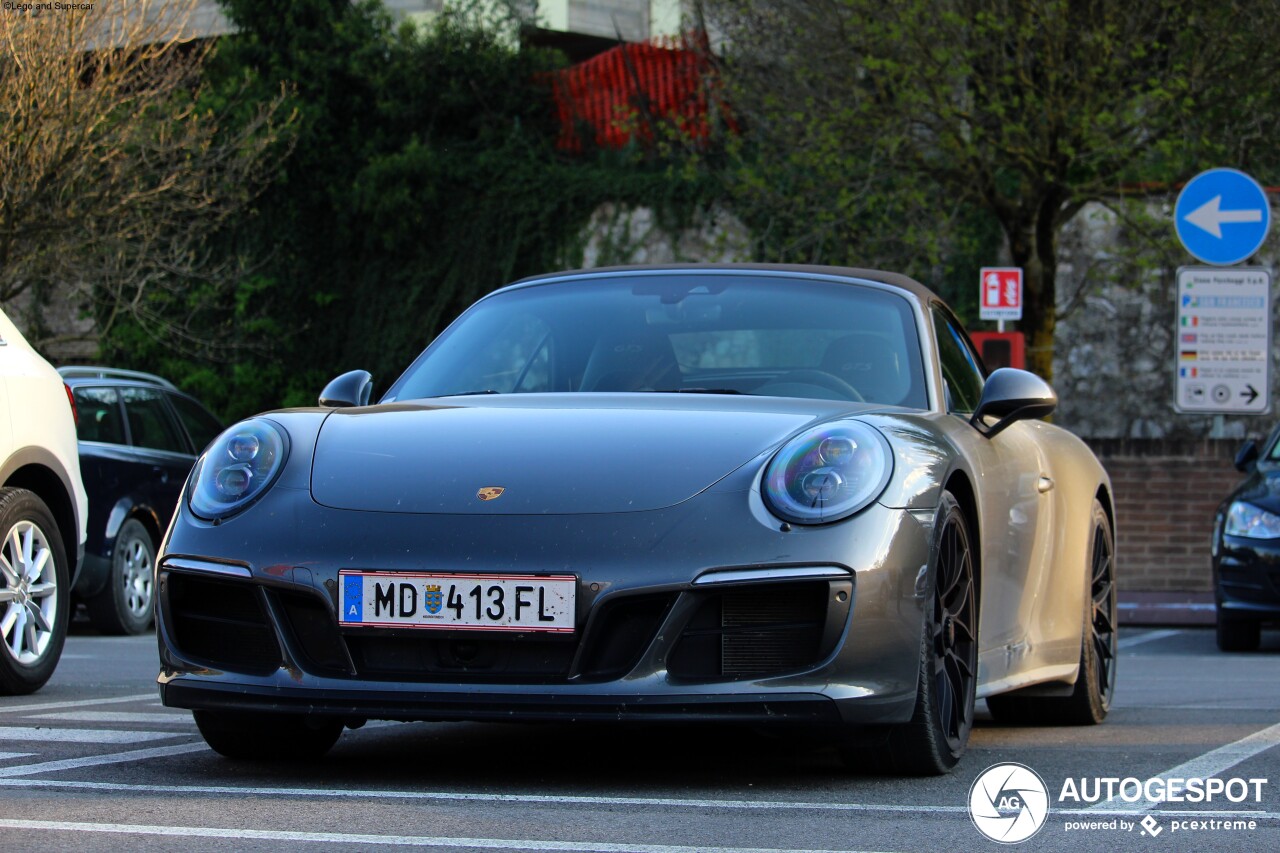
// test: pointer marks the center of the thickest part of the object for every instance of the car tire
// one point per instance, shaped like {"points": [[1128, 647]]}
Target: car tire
{"points": [[1238, 635], [35, 585], [1089, 700], [933, 741], [126, 605], [246, 736]]}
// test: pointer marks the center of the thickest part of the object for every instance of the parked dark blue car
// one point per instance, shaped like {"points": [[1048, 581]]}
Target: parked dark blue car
{"points": [[1246, 549], [139, 436]]}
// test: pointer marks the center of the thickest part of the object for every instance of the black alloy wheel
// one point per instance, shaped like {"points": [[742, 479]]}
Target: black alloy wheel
{"points": [[1103, 614], [955, 644], [935, 738]]}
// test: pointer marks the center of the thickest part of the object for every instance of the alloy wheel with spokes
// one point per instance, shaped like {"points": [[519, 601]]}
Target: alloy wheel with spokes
{"points": [[29, 594], [935, 738], [136, 580], [33, 592], [954, 638], [1103, 613], [126, 604]]}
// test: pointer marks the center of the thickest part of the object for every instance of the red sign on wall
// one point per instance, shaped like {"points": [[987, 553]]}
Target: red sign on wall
{"points": [[1001, 293], [1001, 349]]}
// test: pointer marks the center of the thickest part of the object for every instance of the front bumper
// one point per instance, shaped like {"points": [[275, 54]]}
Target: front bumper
{"points": [[1247, 578], [643, 603]]}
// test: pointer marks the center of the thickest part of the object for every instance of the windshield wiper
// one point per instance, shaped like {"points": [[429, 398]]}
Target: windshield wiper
{"points": [[470, 393], [706, 391]]}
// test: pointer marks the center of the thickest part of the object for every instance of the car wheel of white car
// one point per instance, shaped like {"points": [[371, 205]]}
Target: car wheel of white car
{"points": [[938, 732], [125, 605], [1090, 698], [33, 595]]}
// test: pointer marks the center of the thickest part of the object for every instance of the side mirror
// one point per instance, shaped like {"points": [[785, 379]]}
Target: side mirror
{"points": [[1247, 458], [1011, 395], [350, 389]]}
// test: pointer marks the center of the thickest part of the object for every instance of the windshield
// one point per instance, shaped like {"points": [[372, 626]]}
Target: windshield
{"points": [[677, 332]]}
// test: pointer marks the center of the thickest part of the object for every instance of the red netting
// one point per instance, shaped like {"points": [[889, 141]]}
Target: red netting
{"points": [[624, 91]]}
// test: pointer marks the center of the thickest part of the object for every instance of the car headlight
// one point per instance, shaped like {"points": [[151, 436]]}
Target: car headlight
{"points": [[237, 468], [828, 473], [1244, 519]]}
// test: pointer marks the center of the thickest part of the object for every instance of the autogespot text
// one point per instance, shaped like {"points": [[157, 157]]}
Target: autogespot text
{"points": [[1157, 790]]}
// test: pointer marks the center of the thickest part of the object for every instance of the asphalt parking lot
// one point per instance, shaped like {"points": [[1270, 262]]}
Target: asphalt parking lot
{"points": [[93, 762]]}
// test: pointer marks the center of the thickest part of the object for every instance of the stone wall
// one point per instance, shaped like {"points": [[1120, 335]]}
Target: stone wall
{"points": [[620, 234], [1114, 353]]}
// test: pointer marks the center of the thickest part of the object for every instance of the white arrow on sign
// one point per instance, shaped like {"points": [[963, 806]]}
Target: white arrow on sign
{"points": [[1210, 217]]}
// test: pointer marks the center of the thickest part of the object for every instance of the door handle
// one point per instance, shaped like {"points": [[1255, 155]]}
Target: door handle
{"points": [[1044, 484]]}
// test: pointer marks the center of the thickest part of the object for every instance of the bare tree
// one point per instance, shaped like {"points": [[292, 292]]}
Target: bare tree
{"points": [[112, 172]]}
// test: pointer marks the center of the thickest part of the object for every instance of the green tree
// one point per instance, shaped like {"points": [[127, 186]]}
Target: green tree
{"points": [[423, 174], [1023, 109]]}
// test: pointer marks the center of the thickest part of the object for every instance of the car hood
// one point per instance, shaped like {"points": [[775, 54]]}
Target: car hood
{"points": [[549, 454]]}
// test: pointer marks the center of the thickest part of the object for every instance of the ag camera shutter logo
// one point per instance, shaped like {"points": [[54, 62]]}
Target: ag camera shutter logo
{"points": [[1008, 803]]}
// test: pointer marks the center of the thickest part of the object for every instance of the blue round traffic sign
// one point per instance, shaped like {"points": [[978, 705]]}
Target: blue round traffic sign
{"points": [[1222, 216]]}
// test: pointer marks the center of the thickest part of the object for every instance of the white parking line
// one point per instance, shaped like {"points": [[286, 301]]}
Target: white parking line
{"points": [[5, 756], [373, 795], [1205, 766], [99, 760], [1149, 636], [145, 718], [81, 703], [381, 840], [46, 734]]}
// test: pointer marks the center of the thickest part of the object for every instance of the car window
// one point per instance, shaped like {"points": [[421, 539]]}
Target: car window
{"points": [[150, 424], [516, 357], [959, 365], [749, 334], [99, 415], [201, 426]]}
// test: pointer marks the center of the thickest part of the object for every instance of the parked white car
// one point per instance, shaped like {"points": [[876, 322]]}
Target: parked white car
{"points": [[43, 512]]}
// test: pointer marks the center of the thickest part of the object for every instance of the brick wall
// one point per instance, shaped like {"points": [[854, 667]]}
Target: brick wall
{"points": [[1166, 492]]}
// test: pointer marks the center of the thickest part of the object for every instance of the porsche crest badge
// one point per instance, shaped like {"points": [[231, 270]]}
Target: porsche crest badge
{"points": [[488, 493]]}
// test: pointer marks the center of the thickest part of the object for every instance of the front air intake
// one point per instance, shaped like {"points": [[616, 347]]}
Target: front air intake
{"points": [[219, 623], [755, 631]]}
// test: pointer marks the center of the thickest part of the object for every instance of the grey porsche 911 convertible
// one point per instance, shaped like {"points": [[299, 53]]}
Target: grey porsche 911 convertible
{"points": [[764, 494]]}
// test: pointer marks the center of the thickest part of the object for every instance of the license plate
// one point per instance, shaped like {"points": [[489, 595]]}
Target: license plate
{"points": [[457, 602]]}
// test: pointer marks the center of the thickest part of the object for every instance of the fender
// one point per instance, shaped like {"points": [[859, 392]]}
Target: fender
{"points": [[60, 500]]}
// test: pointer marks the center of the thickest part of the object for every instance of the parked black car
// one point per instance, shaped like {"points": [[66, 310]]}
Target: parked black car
{"points": [[139, 436], [1246, 549]]}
